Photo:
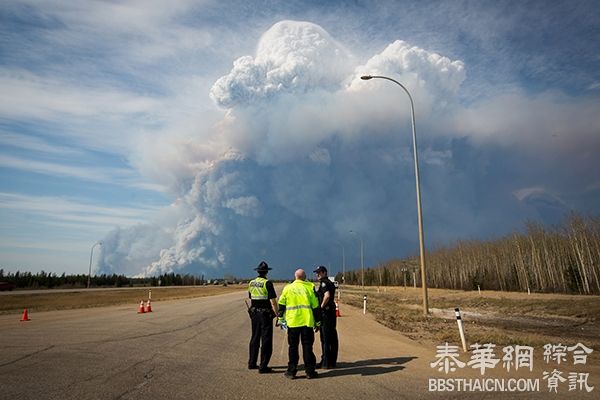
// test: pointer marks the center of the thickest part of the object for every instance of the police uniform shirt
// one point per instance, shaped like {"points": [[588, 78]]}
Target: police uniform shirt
{"points": [[325, 285], [265, 303]]}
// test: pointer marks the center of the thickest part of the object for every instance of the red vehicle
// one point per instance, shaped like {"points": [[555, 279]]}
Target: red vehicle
{"points": [[7, 286]]}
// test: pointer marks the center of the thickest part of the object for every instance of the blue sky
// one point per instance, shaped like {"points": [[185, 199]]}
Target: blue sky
{"points": [[204, 136]]}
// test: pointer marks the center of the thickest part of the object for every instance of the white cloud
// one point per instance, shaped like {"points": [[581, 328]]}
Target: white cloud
{"points": [[137, 31], [101, 74], [26, 95], [416, 67], [292, 57], [87, 116], [108, 175], [36, 144], [49, 245], [302, 88], [55, 210]]}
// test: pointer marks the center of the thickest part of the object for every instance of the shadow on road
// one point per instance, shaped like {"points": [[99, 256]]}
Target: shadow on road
{"points": [[376, 366], [369, 367]]}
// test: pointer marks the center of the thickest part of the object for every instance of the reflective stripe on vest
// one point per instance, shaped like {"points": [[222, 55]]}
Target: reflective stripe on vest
{"points": [[298, 307], [258, 289], [299, 299]]}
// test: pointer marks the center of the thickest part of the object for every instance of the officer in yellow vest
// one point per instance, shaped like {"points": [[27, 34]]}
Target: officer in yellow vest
{"points": [[299, 311], [263, 309]]}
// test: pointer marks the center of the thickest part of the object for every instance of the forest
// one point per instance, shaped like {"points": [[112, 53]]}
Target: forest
{"points": [[27, 280], [560, 259]]}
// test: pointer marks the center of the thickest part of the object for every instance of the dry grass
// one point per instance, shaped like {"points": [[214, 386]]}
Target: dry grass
{"points": [[48, 300], [497, 317]]}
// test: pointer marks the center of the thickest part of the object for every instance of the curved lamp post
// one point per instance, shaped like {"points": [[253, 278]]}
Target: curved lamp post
{"points": [[91, 255], [419, 212]]}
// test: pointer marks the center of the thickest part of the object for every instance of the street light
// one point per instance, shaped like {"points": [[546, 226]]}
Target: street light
{"points": [[343, 269], [362, 260], [343, 264], [419, 212], [91, 255]]}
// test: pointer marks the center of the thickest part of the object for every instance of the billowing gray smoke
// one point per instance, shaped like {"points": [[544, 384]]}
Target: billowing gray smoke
{"points": [[305, 152]]}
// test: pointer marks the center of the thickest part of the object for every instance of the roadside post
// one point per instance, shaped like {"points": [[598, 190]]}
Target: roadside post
{"points": [[365, 304], [461, 329]]}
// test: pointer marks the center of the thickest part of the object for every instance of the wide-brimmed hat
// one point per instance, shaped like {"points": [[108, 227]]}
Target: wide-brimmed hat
{"points": [[319, 269], [263, 267]]}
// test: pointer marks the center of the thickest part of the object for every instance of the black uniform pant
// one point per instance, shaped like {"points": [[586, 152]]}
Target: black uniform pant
{"points": [[329, 341], [305, 335], [262, 331]]}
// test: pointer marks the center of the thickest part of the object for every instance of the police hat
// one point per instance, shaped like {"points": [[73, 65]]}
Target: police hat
{"points": [[320, 269], [262, 267]]}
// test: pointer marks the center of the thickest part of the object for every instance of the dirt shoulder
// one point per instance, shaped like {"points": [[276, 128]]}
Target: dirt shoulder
{"points": [[489, 317]]}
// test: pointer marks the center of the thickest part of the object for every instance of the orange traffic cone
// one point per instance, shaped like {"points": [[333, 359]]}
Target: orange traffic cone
{"points": [[148, 306], [141, 309], [337, 310], [25, 316]]}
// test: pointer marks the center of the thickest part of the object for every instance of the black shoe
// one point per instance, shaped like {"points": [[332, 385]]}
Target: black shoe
{"points": [[252, 366], [319, 365], [289, 375], [266, 370], [312, 375]]}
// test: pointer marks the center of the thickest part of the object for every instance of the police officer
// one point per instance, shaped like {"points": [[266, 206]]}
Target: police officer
{"points": [[329, 337], [299, 311], [263, 309]]}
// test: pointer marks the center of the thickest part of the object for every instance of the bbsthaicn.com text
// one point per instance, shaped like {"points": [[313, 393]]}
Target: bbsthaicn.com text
{"points": [[483, 385]]}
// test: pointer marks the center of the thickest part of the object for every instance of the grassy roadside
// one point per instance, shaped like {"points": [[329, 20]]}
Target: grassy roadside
{"points": [[497, 317], [47, 300]]}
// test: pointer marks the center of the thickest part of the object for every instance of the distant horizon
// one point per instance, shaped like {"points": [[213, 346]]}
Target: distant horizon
{"points": [[333, 270]]}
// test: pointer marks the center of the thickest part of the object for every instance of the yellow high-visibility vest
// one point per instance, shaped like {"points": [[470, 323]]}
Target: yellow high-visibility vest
{"points": [[299, 299], [258, 289]]}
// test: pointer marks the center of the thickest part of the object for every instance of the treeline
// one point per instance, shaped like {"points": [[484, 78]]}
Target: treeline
{"points": [[563, 259], [27, 280]]}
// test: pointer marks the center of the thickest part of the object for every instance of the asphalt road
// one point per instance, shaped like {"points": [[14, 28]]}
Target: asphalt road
{"points": [[197, 349]]}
